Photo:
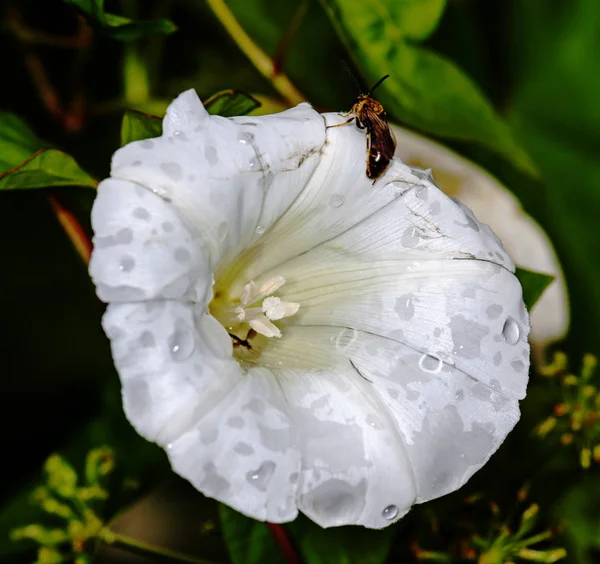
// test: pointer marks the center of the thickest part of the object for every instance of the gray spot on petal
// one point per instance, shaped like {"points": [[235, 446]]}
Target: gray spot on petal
{"points": [[236, 422], [494, 311], [136, 163], [137, 398], [141, 213], [497, 359], [211, 155], [212, 483], [147, 144], [435, 208], [244, 449], [277, 440], [122, 237], [172, 170], [518, 365], [256, 405], [147, 340], [466, 336], [182, 256], [168, 227], [210, 437]]}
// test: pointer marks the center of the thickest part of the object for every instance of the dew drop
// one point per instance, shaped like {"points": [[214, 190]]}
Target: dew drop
{"points": [[261, 477], [410, 237], [180, 135], [126, 263], [430, 363], [336, 200], [181, 342], [390, 512], [460, 395], [260, 229], [345, 338], [511, 331]]}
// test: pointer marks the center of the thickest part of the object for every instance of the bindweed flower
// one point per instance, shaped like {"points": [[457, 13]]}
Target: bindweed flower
{"points": [[296, 338]]}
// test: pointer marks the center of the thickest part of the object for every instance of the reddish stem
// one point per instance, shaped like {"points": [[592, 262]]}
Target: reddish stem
{"points": [[72, 228], [286, 546]]}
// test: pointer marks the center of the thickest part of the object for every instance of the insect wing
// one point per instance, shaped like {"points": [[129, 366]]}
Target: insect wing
{"points": [[381, 145]]}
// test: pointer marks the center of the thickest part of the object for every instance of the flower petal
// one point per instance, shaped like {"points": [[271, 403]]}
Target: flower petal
{"points": [[142, 250], [428, 293], [243, 451], [229, 179], [175, 364], [445, 422], [354, 466]]}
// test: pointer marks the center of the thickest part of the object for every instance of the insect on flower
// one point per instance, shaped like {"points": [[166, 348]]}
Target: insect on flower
{"points": [[381, 144]]}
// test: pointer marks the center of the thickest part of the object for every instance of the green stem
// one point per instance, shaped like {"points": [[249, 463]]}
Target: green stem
{"points": [[145, 549], [265, 65], [136, 80]]}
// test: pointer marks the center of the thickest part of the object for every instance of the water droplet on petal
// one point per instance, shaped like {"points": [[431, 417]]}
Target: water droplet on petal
{"points": [[336, 200], [345, 338], [390, 512], [182, 341], [260, 229], [430, 363], [511, 331], [126, 263], [261, 477]]}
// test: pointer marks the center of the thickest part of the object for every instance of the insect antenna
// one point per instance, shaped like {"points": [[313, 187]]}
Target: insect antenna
{"points": [[352, 76], [377, 84]]}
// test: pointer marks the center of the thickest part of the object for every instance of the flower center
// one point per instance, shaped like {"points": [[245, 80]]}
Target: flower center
{"points": [[249, 317]]}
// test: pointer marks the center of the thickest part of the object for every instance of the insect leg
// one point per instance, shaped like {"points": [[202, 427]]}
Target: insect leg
{"points": [[340, 124]]}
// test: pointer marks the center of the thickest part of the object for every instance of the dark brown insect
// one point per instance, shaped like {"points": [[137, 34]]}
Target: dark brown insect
{"points": [[381, 143]]}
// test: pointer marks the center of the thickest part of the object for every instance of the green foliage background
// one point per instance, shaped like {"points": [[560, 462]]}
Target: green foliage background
{"points": [[512, 84]]}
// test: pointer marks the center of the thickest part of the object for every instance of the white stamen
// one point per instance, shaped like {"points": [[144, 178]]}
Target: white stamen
{"points": [[275, 309], [270, 286], [272, 308], [263, 326], [248, 293]]}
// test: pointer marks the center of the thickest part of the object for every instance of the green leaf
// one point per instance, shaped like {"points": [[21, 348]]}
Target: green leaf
{"points": [[533, 284], [425, 90], [137, 126], [248, 541], [230, 103], [25, 162], [120, 27], [340, 545], [561, 128]]}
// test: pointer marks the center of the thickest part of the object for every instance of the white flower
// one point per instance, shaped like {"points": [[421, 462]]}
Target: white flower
{"points": [[296, 338], [492, 203]]}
